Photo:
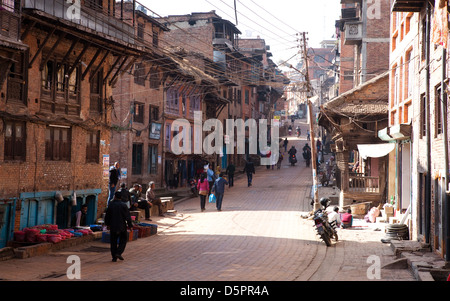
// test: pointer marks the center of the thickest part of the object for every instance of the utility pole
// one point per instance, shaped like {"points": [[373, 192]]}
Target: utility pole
{"points": [[311, 125]]}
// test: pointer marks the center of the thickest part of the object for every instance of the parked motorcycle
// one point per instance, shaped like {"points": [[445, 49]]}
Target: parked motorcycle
{"points": [[193, 184], [325, 230]]}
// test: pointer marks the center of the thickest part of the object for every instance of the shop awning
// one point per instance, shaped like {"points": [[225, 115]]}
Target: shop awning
{"points": [[375, 150]]}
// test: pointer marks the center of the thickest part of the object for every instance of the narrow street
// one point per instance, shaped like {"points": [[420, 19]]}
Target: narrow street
{"points": [[259, 236]]}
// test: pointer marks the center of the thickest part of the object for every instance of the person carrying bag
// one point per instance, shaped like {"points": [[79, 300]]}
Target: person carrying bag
{"points": [[212, 198], [203, 190]]}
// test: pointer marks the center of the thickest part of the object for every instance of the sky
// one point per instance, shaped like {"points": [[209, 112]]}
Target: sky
{"points": [[276, 21]]}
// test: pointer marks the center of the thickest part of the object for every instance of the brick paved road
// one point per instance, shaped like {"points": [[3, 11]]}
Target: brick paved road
{"points": [[259, 236]]}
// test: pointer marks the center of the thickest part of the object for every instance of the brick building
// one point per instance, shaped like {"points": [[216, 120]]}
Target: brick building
{"points": [[363, 56], [418, 119], [55, 110], [353, 119], [241, 70], [364, 40], [136, 141]]}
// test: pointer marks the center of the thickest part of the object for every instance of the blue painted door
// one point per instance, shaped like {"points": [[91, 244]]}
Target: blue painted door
{"points": [[5, 224], [37, 212]]}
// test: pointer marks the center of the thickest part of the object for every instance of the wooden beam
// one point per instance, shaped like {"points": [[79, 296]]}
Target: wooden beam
{"points": [[99, 65], [133, 60], [112, 68], [42, 46], [47, 57], [77, 60], [91, 63], [66, 56], [118, 70], [27, 31]]}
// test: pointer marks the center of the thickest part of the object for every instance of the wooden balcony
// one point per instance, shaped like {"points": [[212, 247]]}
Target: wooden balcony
{"points": [[363, 184], [92, 20], [10, 24]]}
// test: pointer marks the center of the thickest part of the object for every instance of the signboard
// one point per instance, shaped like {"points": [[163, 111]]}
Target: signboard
{"points": [[123, 173], [155, 131], [105, 166]]}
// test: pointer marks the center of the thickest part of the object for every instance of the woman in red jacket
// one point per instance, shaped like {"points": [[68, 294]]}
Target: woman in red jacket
{"points": [[347, 219], [203, 190]]}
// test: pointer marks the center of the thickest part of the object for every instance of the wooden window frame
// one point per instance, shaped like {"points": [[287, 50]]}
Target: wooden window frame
{"points": [[139, 74], [153, 114], [152, 167], [57, 92], [15, 148], [139, 111], [16, 82], [57, 149], [136, 167], [93, 147], [96, 92]]}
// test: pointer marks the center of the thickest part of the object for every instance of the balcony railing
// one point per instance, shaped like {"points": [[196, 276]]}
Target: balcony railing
{"points": [[90, 18], [359, 183]]}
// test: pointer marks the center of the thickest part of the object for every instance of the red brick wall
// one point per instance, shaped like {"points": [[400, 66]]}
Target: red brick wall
{"points": [[35, 174]]}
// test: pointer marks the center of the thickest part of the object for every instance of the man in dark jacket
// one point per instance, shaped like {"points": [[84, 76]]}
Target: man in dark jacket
{"points": [[219, 190], [114, 176], [230, 172], [250, 170], [125, 195], [117, 218]]}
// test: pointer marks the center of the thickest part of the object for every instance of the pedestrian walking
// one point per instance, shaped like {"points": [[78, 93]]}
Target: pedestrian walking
{"points": [[210, 177], [114, 176], [219, 190], [280, 159], [285, 144], [230, 173], [117, 219], [203, 190], [250, 170]]}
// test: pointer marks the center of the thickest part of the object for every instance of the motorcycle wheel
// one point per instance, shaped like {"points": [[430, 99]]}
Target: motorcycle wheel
{"points": [[326, 239], [336, 238]]}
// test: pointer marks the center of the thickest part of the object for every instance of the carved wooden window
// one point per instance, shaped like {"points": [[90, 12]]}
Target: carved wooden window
{"points": [[138, 112], [153, 114], [57, 143], [96, 92], [60, 88], [92, 147], [15, 140], [16, 79]]}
